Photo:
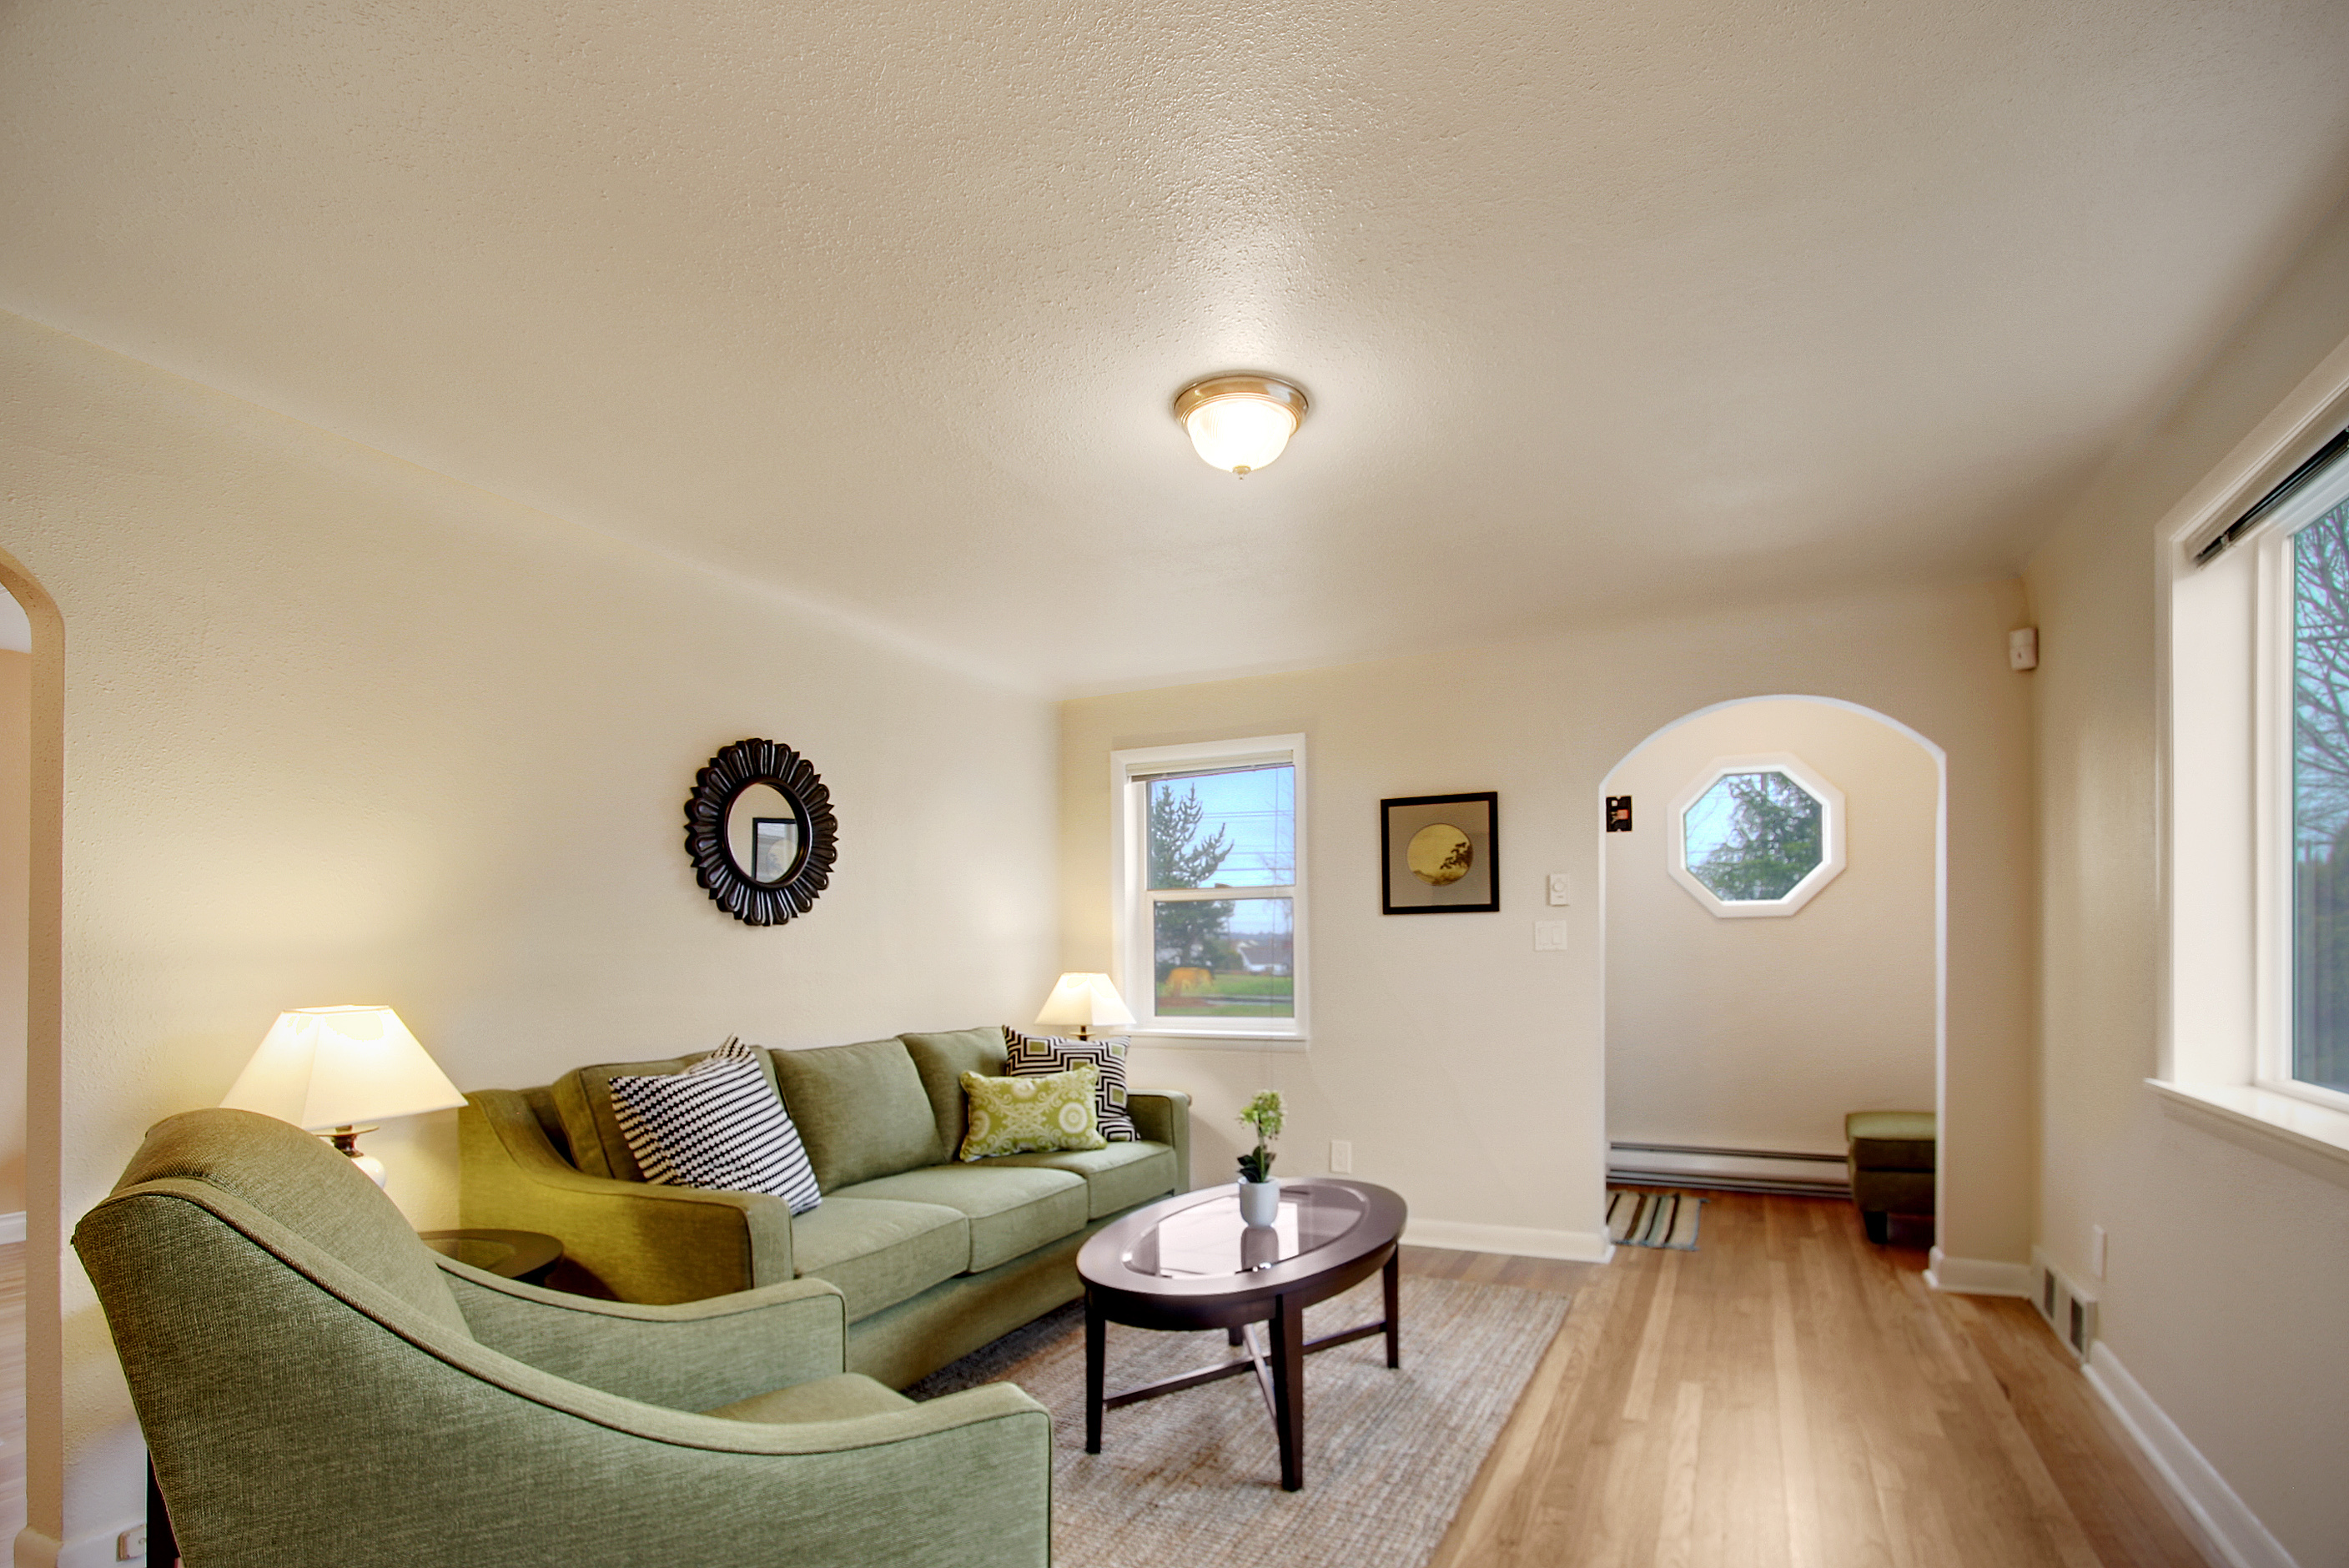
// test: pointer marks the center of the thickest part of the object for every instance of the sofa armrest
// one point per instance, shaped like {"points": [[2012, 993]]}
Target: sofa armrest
{"points": [[695, 1356], [1163, 1116], [643, 1242]]}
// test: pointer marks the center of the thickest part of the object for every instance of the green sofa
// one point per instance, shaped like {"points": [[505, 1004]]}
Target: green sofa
{"points": [[935, 1256], [315, 1386]]}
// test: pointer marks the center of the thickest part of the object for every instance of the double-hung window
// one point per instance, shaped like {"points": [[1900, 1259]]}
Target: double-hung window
{"points": [[1209, 888], [2303, 745]]}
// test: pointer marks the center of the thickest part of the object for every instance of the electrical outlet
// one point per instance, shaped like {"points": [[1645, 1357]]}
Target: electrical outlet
{"points": [[1341, 1157], [131, 1545], [2096, 1251], [1561, 887], [1549, 936]]}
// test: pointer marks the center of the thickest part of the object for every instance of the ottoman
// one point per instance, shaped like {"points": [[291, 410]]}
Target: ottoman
{"points": [[1891, 1154]]}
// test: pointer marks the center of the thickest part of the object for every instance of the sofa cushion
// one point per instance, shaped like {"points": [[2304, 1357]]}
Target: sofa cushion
{"points": [[1039, 1056], [583, 1097], [1018, 1115], [1011, 1209], [838, 1399], [942, 1059], [717, 1124], [1117, 1177], [859, 1110], [880, 1254]]}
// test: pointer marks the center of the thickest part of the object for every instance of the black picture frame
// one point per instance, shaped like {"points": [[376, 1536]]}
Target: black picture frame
{"points": [[1475, 845]]}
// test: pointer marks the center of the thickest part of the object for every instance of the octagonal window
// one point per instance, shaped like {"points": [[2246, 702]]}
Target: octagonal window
{"points": [[1751, 837], [1756, 835]]}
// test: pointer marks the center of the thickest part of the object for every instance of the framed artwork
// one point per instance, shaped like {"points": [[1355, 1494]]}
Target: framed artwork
{"points": [[1441, 854], [775, 848]]}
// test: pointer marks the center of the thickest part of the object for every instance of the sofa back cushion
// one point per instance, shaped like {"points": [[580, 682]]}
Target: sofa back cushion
{"points": [[942, 1059], [583, 1098], [861, 1110]]}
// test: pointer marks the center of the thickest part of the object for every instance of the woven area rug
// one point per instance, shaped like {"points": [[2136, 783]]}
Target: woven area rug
{"points": [[1194, 1478], [1652, 1218]]}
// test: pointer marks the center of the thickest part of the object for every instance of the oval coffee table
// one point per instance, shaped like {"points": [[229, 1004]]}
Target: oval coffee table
{"points": [[1187, 1263]]}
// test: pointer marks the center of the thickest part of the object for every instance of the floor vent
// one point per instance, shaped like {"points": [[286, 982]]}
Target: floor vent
{"points": [[2070, 1311]]}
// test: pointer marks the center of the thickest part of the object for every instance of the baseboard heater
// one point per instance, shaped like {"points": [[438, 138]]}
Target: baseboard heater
{"points": [[1728, 1170]]}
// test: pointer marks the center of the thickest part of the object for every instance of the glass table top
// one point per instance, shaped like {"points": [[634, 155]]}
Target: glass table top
{"points": [[1207, 1240]]}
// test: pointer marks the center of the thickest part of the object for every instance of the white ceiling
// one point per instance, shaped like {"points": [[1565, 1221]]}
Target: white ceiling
{"points": [[1603, 307]]}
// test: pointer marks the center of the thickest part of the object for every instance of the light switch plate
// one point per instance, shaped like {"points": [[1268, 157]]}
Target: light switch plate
{"points": [[1341, 1156], [1561, 887], [1549, 936]]}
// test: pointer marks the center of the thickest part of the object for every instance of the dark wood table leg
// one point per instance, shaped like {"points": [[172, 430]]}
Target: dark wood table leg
{"points": [[1236, 1334], [1393, 1273], [1096, 1357], [1289, 1390]]}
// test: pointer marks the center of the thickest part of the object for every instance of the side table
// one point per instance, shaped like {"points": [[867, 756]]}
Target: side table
{"points": [[525, 1255]]}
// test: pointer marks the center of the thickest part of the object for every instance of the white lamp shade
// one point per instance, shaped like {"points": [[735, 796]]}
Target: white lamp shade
{"points": [[1086, 1001], [338, 1066], [1240, 434]]}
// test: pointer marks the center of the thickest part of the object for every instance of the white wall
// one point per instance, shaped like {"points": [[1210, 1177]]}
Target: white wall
{"points": [[1763, 1032], [1468, 1069], [2229, 1265], [340, 729]]}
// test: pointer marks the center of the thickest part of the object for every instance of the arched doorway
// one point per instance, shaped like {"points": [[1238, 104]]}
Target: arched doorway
{"points": [[1736, 1041], [44, 924]]}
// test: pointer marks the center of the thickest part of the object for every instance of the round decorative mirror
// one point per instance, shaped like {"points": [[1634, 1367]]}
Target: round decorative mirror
{"points": [[760, 829]]}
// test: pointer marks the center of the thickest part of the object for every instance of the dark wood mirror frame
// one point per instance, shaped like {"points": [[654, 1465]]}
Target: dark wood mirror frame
{"points": [[715, 789]]}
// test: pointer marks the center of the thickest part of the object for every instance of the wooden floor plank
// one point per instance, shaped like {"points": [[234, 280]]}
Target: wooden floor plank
{"points": [[1788, 1396]]}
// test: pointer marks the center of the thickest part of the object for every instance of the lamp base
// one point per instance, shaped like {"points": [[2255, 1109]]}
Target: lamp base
{"points": [[346, 1141]]}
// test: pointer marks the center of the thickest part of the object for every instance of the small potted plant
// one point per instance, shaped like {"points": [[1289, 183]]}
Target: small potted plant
{"points": [[1259, 1193]]}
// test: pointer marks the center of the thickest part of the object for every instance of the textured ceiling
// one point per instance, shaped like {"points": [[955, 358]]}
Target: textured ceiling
{"points": [[1603, 306]]}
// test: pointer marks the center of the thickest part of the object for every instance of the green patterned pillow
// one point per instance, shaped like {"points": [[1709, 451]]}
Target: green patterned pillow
{"points": [[1018, 1115]]}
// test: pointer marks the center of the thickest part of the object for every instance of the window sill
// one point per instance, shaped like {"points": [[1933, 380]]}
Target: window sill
{"points": [[2298, 1124], [1200, 1040]]}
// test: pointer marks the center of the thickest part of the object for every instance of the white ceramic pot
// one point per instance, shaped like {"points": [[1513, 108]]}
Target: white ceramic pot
{"points": [[1259, 1202]]}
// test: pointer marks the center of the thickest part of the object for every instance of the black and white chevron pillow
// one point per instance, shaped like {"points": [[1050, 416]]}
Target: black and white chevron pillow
{"points": [[1041, 1056], [718, 1125]]}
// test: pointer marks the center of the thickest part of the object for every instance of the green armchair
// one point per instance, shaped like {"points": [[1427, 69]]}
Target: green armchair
{"points": [[317, 1386]]}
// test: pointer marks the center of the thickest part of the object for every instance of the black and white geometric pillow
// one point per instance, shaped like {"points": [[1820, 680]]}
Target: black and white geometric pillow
{"points": [[716, 1125], [1040, 1055]]}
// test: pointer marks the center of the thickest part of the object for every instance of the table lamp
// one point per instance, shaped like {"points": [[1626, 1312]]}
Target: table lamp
{"points": [[1084, 1002], [328, 1069]]}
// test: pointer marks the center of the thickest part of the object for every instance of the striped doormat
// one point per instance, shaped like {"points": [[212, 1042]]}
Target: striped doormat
{"points": [[1652, 1218]]}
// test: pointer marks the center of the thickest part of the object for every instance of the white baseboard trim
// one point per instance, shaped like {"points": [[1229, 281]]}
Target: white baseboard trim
{"points": [[2234, 1531], [12, 1228], [1514, 1240], [1977, 1276], [34, 1550]]}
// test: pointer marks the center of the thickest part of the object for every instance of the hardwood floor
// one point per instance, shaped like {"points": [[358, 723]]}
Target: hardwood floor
{"points": [[1790, 1397]]}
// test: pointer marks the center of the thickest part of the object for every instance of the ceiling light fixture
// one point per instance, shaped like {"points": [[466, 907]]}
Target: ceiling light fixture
{"points": [[1239, 423]]}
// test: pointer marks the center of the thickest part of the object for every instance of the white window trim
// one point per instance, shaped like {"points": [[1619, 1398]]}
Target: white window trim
{"points": [[2272, 817], [1131, 966], [2215, 801], [1830, 800]]}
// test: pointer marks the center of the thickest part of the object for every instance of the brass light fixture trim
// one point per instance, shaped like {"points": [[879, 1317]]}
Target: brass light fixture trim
{"points": [[1249, 385]]}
